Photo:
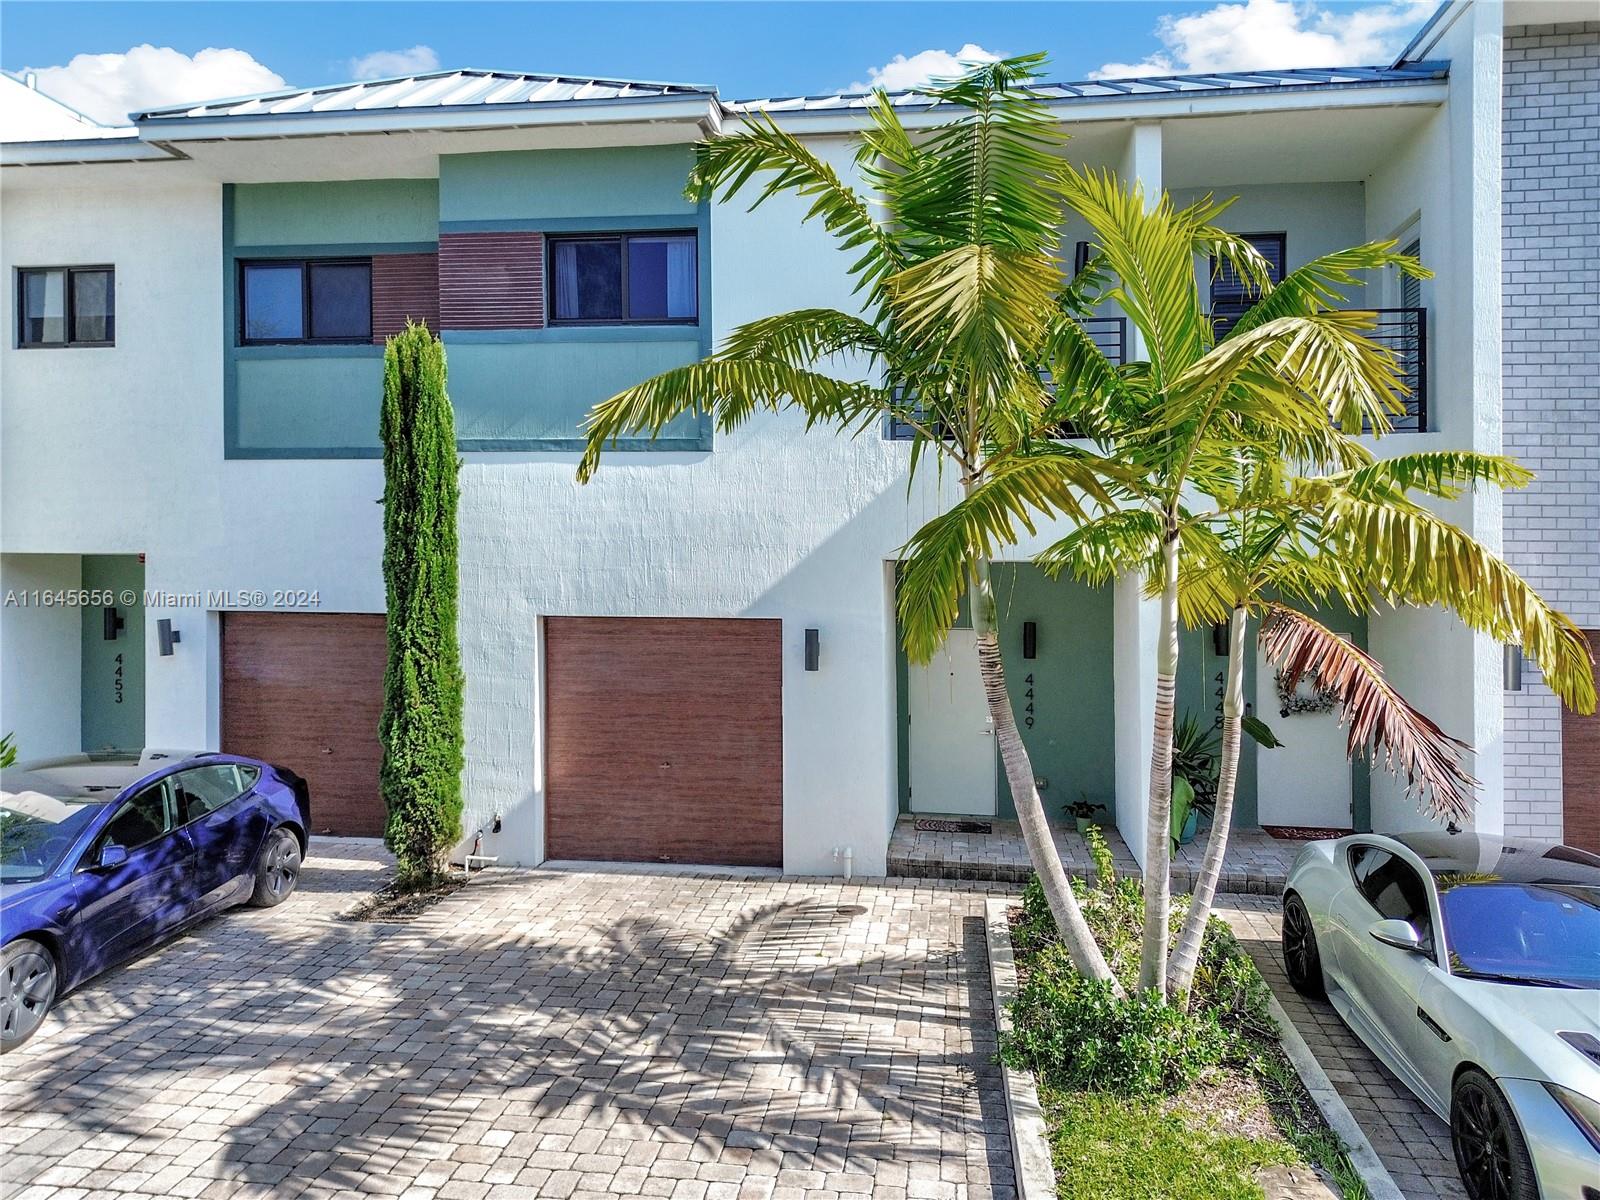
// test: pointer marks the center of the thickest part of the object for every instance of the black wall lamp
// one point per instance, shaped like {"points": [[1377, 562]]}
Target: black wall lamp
{"points": [[1513, 668], [813, 649], [114, 623], [167, 637], [1030, 639], [1219, 640]]}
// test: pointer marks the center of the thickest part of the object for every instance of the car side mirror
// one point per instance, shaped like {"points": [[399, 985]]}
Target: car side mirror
{"points": [[1402, 935], [112, 855]]}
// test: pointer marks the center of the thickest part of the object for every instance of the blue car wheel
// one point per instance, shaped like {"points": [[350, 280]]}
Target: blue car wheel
{"points": [[278, 869], [27, 990]]}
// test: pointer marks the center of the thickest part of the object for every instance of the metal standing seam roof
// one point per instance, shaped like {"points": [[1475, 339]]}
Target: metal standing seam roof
{"points": [[1288, 80], [469, 89], [466, 88]]}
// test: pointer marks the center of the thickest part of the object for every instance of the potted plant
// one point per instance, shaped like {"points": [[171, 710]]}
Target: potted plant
{"points": [[1194, 776], [1082, 811]]}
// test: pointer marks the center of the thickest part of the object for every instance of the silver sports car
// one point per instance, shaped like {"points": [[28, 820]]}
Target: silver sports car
{"points": [[1471, 966]]}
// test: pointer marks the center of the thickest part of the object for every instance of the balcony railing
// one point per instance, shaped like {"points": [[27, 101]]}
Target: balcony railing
{"points": [[1402, 330], [1110, 334]]}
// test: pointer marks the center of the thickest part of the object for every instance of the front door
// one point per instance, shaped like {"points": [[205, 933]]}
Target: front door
{"points": [[1304, 783], [952, 736]]}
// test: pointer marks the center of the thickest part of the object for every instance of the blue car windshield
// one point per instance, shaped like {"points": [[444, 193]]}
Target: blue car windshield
{"points": [[37, 831], [1542, 933]]}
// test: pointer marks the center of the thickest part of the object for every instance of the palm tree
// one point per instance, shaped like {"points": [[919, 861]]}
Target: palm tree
{"points": [[1285, 541], [962, 296], [1294, 378]]}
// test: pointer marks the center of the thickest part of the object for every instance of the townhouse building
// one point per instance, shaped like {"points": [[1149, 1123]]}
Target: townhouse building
{"points": [[694, 658]]}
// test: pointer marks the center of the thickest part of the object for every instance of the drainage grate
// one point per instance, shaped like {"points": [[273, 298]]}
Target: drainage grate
{"points": [[931, 825]]}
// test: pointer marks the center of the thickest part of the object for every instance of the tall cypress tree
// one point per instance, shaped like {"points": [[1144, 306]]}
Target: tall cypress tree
{"points": [[423, 682]]}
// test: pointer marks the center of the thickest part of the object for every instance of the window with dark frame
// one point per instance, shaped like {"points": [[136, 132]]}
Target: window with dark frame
{"points": [[289, 301], [646, 278], [66, 306], [1232, 295]]}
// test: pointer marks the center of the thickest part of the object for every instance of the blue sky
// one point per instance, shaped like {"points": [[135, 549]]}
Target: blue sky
{"points": [[746, 49]]}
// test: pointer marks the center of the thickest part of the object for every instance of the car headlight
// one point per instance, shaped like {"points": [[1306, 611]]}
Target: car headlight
{"points": [[1584, 1111]]}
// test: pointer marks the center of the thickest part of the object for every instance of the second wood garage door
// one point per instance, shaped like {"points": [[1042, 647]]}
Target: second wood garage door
{"points": [[304, 691], [664, 740], [1580, 770]]}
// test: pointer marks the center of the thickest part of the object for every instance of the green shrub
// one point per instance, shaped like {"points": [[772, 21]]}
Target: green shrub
{"points": [[421, 725], [1076, 1033]]}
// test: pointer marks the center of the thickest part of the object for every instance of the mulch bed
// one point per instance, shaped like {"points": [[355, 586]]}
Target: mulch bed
{"points": [[394, 903]]}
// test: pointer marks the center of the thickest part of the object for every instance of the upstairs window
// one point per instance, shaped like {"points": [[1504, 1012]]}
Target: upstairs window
{"points": [[624, 279], [1231, 295], [66, 306], [284, 301]]}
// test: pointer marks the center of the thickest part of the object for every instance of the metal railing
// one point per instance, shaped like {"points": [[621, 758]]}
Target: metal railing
{"points": [[1402, 330], [1110, 334]]}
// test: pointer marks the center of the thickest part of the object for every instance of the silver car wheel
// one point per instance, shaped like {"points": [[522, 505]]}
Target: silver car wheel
{"points": [[283, 864], [27, 989]]}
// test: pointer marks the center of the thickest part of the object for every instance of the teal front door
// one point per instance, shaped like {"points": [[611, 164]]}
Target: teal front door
{"points": [[113, 653]]}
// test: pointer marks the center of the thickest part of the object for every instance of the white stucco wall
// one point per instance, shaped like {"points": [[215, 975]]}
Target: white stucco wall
{"points": [[41, 660], [775, 522]]}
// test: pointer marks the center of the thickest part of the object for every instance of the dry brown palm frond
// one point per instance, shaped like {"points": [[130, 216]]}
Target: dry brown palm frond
{"points": [[1376, 716]]}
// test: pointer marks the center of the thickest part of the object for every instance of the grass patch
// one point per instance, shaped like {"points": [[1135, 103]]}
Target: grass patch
{"points": [[1140, 1100]]}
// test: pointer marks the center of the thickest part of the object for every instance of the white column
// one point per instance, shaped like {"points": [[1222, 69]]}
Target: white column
{"points": [[1136, 619]]}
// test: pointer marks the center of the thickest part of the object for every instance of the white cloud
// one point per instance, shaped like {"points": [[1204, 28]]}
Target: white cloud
{"points": [[1278, 33], [903, 71], [384, 64], [107, 87]]}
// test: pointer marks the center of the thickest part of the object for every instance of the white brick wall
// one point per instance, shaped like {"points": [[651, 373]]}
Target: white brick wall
{"points": [[1551, 285]]}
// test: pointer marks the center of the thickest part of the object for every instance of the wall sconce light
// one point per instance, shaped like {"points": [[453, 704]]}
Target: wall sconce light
{"points": [[1030, 639], [1513, 668], [114, 623], [167, 636], [1219, 640], [813, 649]]}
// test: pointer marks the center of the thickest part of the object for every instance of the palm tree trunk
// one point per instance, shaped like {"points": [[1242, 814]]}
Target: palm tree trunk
{"points": [[1074, 930], [1158, 824], [1186, 957]]}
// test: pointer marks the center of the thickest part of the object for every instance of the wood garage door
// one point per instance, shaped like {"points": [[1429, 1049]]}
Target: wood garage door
{"points": [[664, 740], [305, 690], [1580, 772]]}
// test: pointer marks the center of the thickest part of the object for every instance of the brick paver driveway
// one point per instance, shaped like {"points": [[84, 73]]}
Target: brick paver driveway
{"points": [[1412, 1142], [541, 1033]]}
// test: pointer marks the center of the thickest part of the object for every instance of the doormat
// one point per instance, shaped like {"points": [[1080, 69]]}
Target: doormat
{"points": [[930, 825], [1305, 833]]}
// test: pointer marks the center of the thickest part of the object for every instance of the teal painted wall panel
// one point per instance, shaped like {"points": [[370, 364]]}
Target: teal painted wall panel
{"points": [[113, 672], [316, 403], [1072, 743], [356, 211], [565, 184], [525, 391]]}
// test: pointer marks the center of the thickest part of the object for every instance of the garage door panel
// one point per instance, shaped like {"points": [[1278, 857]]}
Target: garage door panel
{"points": [[664, 740], [305, 691], [1580, 772]]}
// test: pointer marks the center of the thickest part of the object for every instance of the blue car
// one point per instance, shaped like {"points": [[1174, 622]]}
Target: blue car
{"points": [[103, 856]]}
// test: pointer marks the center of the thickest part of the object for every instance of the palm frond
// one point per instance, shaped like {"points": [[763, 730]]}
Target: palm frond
{"points": [[1443, 473], [1378, 719], [1152, 255], [805, 337], [1096, 552], [938, 560], [724, 165], [1322, 284], [1408, 555], [731, 390]]}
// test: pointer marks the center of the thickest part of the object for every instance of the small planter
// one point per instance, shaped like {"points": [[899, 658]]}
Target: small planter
{"points": [[1084, 824]]}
